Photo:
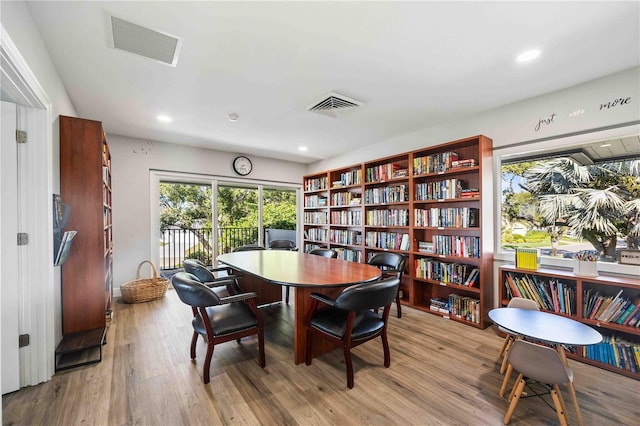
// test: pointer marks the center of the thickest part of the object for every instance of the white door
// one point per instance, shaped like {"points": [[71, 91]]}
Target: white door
{"points": [[9, 289]]}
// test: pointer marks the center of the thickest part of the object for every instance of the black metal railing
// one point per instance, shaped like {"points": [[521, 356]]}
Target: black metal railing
{"points": [[179, 244]]}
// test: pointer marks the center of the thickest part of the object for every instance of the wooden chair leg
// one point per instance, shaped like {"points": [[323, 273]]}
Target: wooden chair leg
{"points": [[504, 346], [194, 341], [261, 346], [514, 400], [503, 366], [574, 400], [349, 365], [513, 391], [556, 396], [398, 305], [385, 348], [286, 295], [505, 381], [207, 363]]}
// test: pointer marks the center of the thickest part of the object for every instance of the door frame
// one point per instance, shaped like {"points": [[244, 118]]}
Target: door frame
{"points": [[38, 299]]}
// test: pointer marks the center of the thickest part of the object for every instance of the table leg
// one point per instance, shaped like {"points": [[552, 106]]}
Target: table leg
{"points": [[301, 307]]}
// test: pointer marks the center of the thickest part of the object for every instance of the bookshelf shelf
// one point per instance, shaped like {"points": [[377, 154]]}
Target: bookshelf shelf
{"points": [[588, 299], [388, 188]]}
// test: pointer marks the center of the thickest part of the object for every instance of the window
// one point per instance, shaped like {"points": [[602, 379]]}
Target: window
{"points": [[585, 197]]}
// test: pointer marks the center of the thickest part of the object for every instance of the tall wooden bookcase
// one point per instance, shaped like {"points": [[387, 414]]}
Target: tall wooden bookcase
{"points": [[87, 275], [433, 205]]}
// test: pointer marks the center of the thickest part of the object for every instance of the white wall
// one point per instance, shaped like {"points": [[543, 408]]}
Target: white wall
{"points": [[516, 123], [131, 189], [17, 22]]}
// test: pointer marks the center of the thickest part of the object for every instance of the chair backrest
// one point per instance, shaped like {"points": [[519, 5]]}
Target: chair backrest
{"points": [[365, 296], [325, 252], [192, 292], [522, 303], [197, 268], [540, 363], [388, 261], [248, 247], [282, 245]]}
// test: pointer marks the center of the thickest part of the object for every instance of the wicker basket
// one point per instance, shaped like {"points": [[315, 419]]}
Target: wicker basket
{"points": [[144, 289]]}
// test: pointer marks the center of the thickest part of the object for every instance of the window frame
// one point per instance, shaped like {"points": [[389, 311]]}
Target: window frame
{"points": [[540, 146]]}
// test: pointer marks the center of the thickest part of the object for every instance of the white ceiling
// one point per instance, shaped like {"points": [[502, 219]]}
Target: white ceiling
{"points": [[413, 64]]}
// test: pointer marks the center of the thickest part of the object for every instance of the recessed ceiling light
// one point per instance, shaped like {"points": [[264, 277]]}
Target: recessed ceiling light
{"points": [[233, 116], [302, 148], [529, 55], [165, 118], [604, 145]]}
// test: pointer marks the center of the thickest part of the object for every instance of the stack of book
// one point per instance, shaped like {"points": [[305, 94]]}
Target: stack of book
{"points": [[468, 162], [439, 304], [425, 246], [469, 192]]}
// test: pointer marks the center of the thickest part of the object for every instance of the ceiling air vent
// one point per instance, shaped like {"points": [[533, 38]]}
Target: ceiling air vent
{"points": [[134, 38], [330, 104]]}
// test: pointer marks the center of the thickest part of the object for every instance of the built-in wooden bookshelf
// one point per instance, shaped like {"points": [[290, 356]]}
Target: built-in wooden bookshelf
{"points": [[87, 275], [420, 204], [610, 304]]}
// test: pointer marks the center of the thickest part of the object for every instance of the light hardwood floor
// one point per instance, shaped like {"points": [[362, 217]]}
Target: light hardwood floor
{"points": [[442, 373]]}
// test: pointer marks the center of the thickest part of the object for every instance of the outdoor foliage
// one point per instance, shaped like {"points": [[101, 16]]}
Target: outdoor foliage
{"points": [[599, 203]]}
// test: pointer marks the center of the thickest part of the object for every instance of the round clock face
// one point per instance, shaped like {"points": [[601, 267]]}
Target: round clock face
{"points": [[242, 166]]}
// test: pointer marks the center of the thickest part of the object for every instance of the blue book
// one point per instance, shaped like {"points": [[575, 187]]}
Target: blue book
{"points": [[561, 296]]}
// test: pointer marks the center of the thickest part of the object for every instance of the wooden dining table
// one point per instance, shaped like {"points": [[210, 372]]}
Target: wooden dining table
{"points": [[265, 270]]}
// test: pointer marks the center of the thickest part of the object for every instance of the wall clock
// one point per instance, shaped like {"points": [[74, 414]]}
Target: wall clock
{"points": [[242, 165]]}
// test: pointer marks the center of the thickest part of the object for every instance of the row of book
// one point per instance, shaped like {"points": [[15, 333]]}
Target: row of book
{"points": [[440, 190], [384, 172], [384, 217], [346, 217], [344, 236], [316, 218], [614, 309], [349, 254], [387, 194], [550, 293], [448, 273], [315, 201], [435, 163], [615, 351], [316, 184], [315, 234], [387, 240], [450, 217], [353, 177], [527, 258], [466, 308], [456, 245], [345, 199]]}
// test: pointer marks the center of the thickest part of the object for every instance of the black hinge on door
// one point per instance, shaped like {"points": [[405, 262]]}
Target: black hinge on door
{"points": [[23, 238], [23, 340], [21, 136]]}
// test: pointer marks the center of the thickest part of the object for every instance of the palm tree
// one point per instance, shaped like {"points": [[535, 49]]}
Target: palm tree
{"points": [[598, 202]]}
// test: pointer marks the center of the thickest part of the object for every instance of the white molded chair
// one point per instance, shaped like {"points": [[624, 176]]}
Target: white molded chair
{"points": [[516, 302], [544, 365]]}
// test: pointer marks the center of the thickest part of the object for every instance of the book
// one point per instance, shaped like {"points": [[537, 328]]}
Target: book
{"points": [[64, 248]]}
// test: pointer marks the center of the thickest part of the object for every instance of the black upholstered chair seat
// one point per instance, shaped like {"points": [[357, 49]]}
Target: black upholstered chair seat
{"points": [[227, 319], [334, 321]]}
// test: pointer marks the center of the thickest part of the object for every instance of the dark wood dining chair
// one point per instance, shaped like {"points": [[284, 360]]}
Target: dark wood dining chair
{"points": [[225, 284], [283, 245], [218, 319], [325, 252], [391, 264], [248, 247], [350, 319]]}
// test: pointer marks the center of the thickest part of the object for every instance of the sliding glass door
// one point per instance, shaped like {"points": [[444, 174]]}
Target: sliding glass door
{"points": [[202, 218]]}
